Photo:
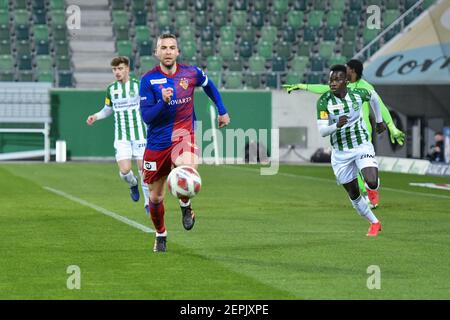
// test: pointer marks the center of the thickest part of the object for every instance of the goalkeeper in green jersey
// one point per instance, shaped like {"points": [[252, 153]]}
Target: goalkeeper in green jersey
{"points": [[354, 74]]}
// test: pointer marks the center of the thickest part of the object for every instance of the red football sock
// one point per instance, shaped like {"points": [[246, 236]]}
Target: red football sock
{"points": [[157, 214]]}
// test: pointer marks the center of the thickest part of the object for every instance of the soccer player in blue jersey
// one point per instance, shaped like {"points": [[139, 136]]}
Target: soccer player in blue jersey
{"points": [[167, 107]]}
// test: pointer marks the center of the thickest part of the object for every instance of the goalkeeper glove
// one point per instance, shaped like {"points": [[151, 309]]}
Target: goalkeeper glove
{"points": [[396, 135], [292, 87]]}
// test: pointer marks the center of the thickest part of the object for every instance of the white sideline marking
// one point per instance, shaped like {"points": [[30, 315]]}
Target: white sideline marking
{"points": [[329, 180], [106, 212]]}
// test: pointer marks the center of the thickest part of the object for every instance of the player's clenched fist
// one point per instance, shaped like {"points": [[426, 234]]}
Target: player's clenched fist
{"points": [[342, 121], [167, 94], [91, 119]]}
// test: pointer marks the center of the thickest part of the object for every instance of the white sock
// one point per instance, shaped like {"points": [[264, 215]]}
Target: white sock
{"points": [[144, 188], [363, 209], [164, 234], [185, 204], [129, 178], [378, 185]]}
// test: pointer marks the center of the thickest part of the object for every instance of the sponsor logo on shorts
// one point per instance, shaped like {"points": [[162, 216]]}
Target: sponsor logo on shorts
{"points": [[365, 156], [150, 165]]}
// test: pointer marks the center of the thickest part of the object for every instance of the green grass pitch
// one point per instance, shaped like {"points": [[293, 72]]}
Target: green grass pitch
{"points": [[293, 235]]}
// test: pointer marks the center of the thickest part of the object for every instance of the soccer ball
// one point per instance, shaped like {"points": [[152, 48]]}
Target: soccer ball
{"points": [[184, 182]]}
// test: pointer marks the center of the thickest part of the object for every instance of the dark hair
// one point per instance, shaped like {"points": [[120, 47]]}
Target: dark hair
{"points": [[357, 66], [338, 67], [118, 60]]}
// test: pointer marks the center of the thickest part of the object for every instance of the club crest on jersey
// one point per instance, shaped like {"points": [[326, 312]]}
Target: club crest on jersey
{"points": [[184, 83]]}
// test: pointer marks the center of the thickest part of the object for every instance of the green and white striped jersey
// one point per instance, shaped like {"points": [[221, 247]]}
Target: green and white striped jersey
{"points": [[354, 133], [124, 99]]}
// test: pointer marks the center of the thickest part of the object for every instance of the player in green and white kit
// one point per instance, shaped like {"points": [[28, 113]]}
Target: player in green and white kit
{"points": [[122, 99], [354, 74], [339, 115]]}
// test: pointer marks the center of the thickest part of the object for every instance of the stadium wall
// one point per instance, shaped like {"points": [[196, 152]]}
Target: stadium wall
{"points": [[70, 108]]}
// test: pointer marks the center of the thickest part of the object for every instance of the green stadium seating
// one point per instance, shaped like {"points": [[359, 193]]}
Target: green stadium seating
{"points": [[329, 33], [276, 19], [140, 18], [5, 47], [233, 80], [369, 35], [214, 63], [20, 4], [23, 48], [215, 77], [248, 33], [22, 32], [252, 80], [59, 32], [200, 5], [284, 50], [265, 49], [65, 79], [355, 5], [122, 33], [294, 77], [24, 62], [309, 33], [320, 4], [57, 17], [207, 33], [295, 19], [299, 64], [40, 32], [269, 33], [240, 5], [118, 4], [235, 64], [161, 5], [257, 19], [392, 4], [260, 5], [271, 80], [45, 76], [189, 50], [245, 49], [315, 18], [257, 63], [278, 64], [21, 16], [25, 75], [281, 5], [338, 5], [6, 63], [317, 63], [145, 48], [239, 19], [147, 63], [228, 33], [63, 63], [164, 19], [125, 48], [337, 59], [120, 18], [4, 32], [353, 18], [314, 77], [220, 18], [142, 34], [350, 33], [348, 49], [38, 4], [201, 19], [334, 18], [220, 5], [42, 47], [57, 5], [187, 34], [44, 63], [182, 19], [300, 5], [181, 5], [4, 16], [289, 34], [304, 48], [326, 49], [4, 4], [207, 49], [226, 50], [390, 16]]}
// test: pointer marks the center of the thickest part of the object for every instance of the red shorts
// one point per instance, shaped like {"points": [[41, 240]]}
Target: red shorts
{"points": [[157, 164]]}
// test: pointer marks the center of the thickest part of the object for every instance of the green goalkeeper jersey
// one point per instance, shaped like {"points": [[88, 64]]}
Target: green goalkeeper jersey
{"points": [[359, 84], [124, 99]]}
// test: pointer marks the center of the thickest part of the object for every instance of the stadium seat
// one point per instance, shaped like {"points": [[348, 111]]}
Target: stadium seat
{"points": [[329, 33], [57, 17], [257, 19], [164, 19], [260, 5], [369, 35], [24, 62], [6, 63], [122, 33], [239, 19], [42, 47], [214, 63], [45, 76], [207, 33], [4, 16], [315, 18], [317, 63], [161, 5], [22, 32], [118, 4], [4, 4], [61, 48], [276, 19], [247, 33], [257, 64], [142, 34], [245, 49], [23, 48], [65, 79], [5, 47], [215, 77], [304, 48], [21, 16], [59, 32], [56, 5], [299, 5], [40, 32], [235, 64], [392, 4], [145, 48], [233, 80], [201, 19], [140, 18], [337, 59], [348, 49], [289, 34], [269, 33], [220, 18], [228, 33], [20, 4], [187, 34], [25, 76], [120, 18], [189, 50], [220, 5], [334, 18], [252, 80], [350, 33], [278, 64], [272, 80], [39, 16], [284, 50], [207, 49], [4, 32], [320, 4], [281, 5], [326, 49], [200, 5], [147, 63], [44, 63], [338, 5], [299, 64], [181, 5], [226, 50], [353, 18], [389, 16], [265, 49], [295, 19], [240, 5], [125, 48], [294, 77], [355, 5], [309, 34], [314, 77], [182, 19]]}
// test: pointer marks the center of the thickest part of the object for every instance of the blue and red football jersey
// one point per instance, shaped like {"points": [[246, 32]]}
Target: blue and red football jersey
{"points": [[164, 120]]}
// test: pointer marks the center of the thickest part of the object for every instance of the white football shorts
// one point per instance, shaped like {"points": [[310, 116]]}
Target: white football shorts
{"points": [[133, 149], [347, 163]]}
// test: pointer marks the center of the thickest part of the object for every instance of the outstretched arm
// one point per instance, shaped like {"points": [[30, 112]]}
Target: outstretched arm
{"points": [[104, 113], [314, 88]]}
